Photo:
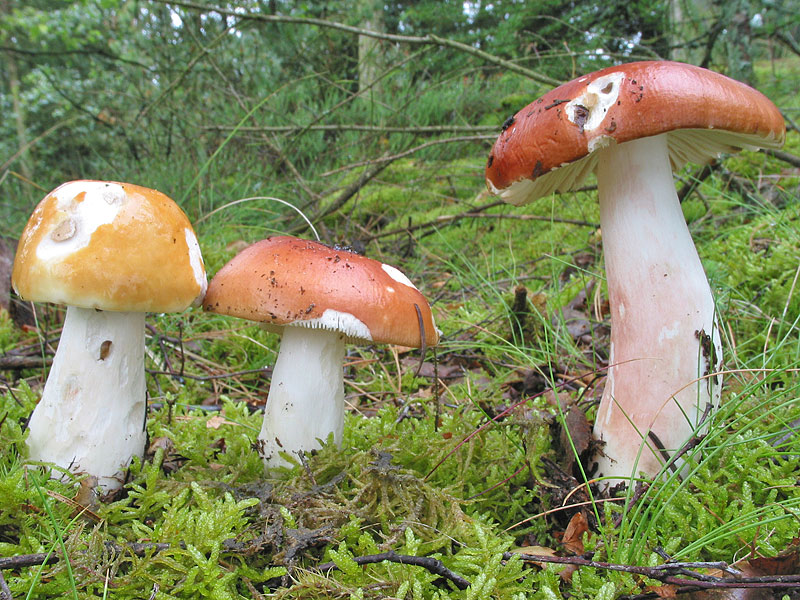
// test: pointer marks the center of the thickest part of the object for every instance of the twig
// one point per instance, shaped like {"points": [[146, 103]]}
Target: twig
{"points": [[784, 156], [422, 130], [5, 593], [14, 363], [665, 572], [32, 560], [262, 370], [346, 194], [434, 565], [429, 39], [404, 153]]}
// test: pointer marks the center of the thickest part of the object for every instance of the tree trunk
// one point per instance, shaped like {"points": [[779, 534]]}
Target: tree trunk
{"points": [[370, 58]]}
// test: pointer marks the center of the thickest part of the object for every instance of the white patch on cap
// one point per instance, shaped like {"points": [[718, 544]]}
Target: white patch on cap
{"points": [[101, 203], [196, 260], [333, 320], [601, 141], [397, 276], [599, 96]]}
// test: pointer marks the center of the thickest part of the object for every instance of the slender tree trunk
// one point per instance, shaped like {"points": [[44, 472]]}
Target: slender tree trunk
{"points": [[16, 102], [370, 58]]}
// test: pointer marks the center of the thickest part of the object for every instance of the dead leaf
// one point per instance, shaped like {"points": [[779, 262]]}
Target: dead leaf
{"points": [[663, 591], [578, 431], [573, 534], [218, 421], [783, 564]]}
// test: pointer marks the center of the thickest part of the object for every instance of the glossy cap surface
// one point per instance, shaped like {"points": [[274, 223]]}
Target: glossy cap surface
{"points": [[110, 246], [287, 281]]}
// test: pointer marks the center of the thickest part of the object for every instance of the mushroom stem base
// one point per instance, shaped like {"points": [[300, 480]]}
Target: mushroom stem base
{"points": [[664, 338], [91, 418], [306, 395]]}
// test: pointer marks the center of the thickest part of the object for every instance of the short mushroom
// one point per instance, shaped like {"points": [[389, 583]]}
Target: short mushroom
{"points": [[633, 124], [319, 298], [111, 252]]}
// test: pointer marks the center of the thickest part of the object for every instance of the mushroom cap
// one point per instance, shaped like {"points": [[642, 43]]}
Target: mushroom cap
{"points": [[287, 281], [549, 145], [109, 246]]}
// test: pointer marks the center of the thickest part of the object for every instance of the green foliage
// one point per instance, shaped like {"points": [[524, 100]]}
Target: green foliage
{"points": [[226, 111]]}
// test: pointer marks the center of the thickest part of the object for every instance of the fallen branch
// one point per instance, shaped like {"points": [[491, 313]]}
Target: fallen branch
{"points": [[11, 362], [42, 558], [666, 573], [404, 153], [477, 213], [784, 156], [429, 39], [434, 565], [427, 129]]}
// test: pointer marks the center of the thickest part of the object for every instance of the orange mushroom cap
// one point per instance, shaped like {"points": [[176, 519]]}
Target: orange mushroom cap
{"points": [[286, 281], [110, 246]]}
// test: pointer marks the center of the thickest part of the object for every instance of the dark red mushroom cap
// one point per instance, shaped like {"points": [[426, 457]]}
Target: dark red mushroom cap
{"points": [[549, 145]]}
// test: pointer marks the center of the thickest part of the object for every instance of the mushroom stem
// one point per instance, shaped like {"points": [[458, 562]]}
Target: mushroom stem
{"points": [[664, 336], [306, 396], [91, 417]]}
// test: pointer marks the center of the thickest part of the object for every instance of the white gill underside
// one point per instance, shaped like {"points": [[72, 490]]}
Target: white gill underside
{"points": [[663, 329], [685, 146], [91, 418], [306, 395]]}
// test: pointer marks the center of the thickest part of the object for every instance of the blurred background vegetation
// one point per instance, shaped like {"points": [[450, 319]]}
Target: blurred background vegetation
{"points": [[215, 102]]}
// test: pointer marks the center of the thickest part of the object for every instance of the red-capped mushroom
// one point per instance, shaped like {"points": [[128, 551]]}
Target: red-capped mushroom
{"points": [[633, 124], [319, 298]]}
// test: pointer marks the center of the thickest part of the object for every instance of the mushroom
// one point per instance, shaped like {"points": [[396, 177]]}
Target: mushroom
{"points": [[633, 124], [319, 298], [111, 252]]}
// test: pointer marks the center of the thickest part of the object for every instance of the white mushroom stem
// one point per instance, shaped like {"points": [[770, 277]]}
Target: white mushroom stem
{"points": [[91, 418], [306, 396], [664, 337]]}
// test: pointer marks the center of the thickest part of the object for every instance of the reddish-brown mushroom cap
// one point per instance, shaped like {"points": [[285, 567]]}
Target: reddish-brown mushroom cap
{"points": [[289, 281], [548, 145]]}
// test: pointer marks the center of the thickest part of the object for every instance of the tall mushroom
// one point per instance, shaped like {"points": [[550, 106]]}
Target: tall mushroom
{"points": [[633, 124], [111, 252], [319, 298]]}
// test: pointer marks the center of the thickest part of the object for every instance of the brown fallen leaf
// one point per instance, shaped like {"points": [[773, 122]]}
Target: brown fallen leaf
{"points": [[217, 421], [663, 591], [573, 534]]}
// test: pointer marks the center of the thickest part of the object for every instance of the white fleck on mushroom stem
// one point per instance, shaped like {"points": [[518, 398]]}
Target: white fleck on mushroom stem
{"points": [[306, 395], [91, 418], [664, 337]]}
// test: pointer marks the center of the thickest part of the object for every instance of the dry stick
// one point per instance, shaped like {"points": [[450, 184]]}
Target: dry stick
{"points": [[5, 593], [22, 561], [262, 370], [429, 39], [404, 153], [477, 213], [664, 573], [696, 180], [434, 565], [14, 363], [784, 156], [346, 194], [421, 130]]}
